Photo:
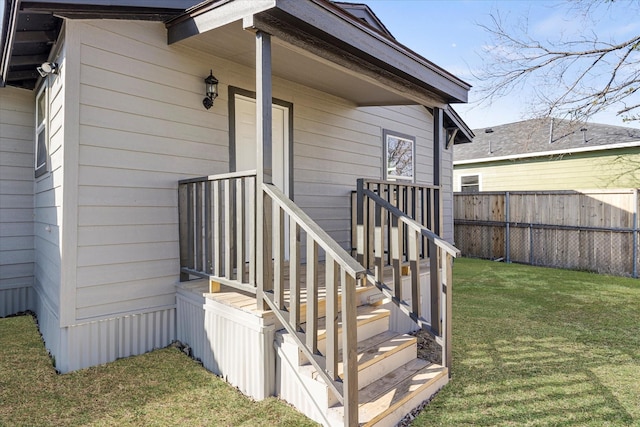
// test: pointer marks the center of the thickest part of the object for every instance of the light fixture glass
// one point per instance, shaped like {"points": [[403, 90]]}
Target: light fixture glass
{"points": [[211, 90]]}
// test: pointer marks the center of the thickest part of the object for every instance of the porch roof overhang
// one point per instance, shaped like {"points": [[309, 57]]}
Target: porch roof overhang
{"points": [[318, 44], [458, 132]]}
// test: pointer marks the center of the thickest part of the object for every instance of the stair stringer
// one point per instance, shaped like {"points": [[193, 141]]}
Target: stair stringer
{"points": [[294, 385]]}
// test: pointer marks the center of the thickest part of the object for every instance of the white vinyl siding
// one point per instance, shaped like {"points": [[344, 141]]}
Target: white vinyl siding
{"points": [[48, 199], [143, 128], [16, 198]]}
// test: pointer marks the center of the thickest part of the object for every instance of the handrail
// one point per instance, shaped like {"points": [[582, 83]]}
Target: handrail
{"points": [[337, 252], [410, 222], [402, 183], [222, 176], [393, 223], [342, 274]]}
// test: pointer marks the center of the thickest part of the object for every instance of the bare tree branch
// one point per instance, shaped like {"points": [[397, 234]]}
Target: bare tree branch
{"points": [[577, 77]]}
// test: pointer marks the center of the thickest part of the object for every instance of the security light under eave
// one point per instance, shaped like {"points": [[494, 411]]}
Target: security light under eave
{"points": [[211, 90], [47, 68]]}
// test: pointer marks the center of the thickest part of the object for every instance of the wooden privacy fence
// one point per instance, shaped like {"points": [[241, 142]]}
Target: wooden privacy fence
{"points": [[589, 230]]}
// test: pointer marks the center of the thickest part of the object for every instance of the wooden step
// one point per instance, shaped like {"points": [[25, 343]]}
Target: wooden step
{"points": [[380, 354], [371, 321], [387, 400], [361, 296]]}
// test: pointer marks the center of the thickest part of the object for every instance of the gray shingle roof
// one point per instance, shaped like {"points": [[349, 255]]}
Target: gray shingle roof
{"points": [[541, 135]]}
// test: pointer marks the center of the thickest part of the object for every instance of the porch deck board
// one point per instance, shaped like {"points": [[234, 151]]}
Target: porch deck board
{"points": [[246, 301]]}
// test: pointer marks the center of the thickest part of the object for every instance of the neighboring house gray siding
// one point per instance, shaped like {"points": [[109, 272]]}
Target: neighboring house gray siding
{"points": [[16, 200]]}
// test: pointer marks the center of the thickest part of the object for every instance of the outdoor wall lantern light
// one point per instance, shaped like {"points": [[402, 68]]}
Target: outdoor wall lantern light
{"points": [[211, 90]]}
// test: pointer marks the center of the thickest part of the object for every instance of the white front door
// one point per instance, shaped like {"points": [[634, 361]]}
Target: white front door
{"points": [[245, 146]]}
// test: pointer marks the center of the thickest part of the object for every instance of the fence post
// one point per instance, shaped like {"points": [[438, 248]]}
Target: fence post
{"points": [[507, 233], [635, 234], [530, 244]]}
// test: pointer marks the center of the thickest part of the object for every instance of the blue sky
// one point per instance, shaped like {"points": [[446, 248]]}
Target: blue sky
{"points": [[447, 33]]}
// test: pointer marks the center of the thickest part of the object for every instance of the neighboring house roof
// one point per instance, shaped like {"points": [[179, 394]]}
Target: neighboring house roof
{"points": [[542, 137]]}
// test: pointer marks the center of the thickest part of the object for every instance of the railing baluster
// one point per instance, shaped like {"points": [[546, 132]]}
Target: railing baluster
{"points": [[415, 238], [208, 241], [436, 287], [217, 229], [240, 230], [183, 227], [389, 198], [370, 228], [360, 222], [190, 215], [267, 248], [278, 257], [312, 295], [331, 316], [228, 236], [198, 234], [349, 351], [251, 181], [396, 256], [294, 273], [379, 243], [448, 314], [424, 193]]}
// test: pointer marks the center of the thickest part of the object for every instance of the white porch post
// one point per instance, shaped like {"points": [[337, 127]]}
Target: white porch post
{"points": [[264, 170]]}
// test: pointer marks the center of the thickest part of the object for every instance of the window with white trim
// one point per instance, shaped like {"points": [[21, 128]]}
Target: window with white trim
{"points": [[470, 183], [42, 123], [399, 156]]}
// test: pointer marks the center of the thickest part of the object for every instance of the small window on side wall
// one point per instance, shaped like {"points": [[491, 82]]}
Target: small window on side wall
{"points": [[399, 156], [470, 183], [42, 114]]}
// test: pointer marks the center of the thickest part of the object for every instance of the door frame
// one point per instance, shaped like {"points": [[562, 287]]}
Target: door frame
{"points": [[233, 91]]}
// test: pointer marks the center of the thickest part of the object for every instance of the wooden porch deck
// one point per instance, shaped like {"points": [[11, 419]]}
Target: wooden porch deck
{"points": [[246, 301]]}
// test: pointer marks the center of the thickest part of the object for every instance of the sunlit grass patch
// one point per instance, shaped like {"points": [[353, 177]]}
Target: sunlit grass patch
{"points": [[538, 347]]}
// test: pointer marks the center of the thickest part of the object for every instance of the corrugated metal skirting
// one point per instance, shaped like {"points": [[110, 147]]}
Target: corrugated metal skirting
{"points": [[15, 300], [103, 341], [230, 342]]}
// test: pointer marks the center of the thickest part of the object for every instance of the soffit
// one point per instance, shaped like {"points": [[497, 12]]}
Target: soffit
{"points": [[233, 43], [31, 28], [35, 34]]}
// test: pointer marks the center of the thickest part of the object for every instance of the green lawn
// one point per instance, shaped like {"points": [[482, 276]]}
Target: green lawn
{"points": [[160, 388], [532, 346], [536, 346]]}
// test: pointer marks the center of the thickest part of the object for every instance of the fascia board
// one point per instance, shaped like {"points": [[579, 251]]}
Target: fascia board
{"points": [[549, 153]]}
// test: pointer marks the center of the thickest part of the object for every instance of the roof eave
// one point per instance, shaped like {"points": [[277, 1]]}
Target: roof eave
{"points": [[620, 145], [333, 23], [452, 119]]}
